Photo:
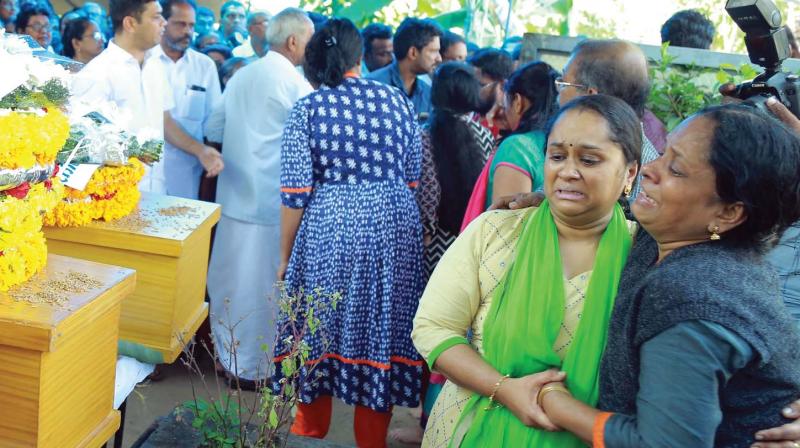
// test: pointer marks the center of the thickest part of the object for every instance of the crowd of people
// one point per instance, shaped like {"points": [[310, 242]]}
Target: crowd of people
{"points": [[623, 293]]}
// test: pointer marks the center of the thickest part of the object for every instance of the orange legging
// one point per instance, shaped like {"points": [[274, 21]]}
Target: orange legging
{"points": [[313, 420]]}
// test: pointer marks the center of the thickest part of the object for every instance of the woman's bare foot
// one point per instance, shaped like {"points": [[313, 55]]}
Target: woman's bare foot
{"points": [[410, 435]]}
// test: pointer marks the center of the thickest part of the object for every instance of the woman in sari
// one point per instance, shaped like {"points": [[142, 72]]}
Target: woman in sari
{"points": [[532, 288]]}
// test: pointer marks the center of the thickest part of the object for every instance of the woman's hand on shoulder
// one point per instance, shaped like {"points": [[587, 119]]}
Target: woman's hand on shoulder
{"points": [[786, 436], [518, 201], [519, 396]]}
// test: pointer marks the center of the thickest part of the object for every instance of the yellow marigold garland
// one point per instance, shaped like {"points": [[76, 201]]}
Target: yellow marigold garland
{"points": [[28, 138], [111, 193], [22, 243]]}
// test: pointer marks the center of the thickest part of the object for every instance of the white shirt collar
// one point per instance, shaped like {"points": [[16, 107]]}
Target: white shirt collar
{"points": [[277, 58], [122, 55], [158, 51]]}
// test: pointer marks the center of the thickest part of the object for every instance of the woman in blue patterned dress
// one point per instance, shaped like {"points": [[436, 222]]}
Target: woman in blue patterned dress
{"points": [[350, 224]]}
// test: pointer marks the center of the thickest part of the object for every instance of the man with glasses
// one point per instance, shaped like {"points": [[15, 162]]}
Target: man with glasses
{"points": [[35, 22], [196, 91], [256, 44], [610, 67]]}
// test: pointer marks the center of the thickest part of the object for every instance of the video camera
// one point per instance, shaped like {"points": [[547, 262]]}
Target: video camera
{"points": [[768, 46]]}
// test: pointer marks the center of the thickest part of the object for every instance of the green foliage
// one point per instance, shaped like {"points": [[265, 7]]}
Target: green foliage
{"points": [[359, 11], [302, 313], [52, 93], [675, 93], [230, 421], [217, 422], [678, 92]]}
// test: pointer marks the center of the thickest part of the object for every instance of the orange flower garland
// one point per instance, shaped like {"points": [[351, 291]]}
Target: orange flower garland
{"points": [[111, 193]]}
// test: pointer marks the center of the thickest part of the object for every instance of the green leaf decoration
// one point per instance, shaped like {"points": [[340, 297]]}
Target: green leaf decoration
{"points": [[452, 19]]}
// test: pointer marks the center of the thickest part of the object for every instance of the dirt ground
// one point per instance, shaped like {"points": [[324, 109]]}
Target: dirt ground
{"points": [[154, 399]]}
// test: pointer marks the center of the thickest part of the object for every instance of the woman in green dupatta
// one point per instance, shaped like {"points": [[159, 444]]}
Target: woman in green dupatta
{"points": [[533, 289]]}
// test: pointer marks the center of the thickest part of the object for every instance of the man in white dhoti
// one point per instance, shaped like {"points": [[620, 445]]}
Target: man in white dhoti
{"points": [[193, 79], [129, 74], [257, 102]]}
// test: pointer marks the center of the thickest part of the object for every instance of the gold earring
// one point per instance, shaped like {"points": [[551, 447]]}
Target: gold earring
{"points": [[628, 189], [715, 234]]}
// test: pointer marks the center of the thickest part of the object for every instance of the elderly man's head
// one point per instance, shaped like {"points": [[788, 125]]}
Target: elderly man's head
{"points": [[611, 67], [257, 23], [288, 33]]}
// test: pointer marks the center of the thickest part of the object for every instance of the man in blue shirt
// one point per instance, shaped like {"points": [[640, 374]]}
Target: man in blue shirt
{"points": [[416, 51]]}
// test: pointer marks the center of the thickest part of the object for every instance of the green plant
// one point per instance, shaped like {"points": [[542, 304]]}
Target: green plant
{"points": [[218, 422], [301, 319], [229, 419], [676, 92]]}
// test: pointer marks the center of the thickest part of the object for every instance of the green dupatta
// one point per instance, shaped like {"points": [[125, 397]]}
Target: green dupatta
{"points": [[524, 321]]}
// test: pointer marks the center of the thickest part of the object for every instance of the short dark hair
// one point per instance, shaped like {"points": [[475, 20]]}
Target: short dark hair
{"points": [[494, 63], [124, 8], [71, 15], [74, 30], [449, 39], [332, 50], [205, 11], [372, 32], [594, 67], [317, 19], [166, 6], [536, 82], [624, 126], [228, 66], [413, 32], [219, 48], [756, 160], [688, 28], [227, 5], [26, 13]]}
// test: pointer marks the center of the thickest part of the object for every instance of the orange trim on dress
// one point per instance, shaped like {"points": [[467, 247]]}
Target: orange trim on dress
{"points": [[351, 74], [295, 190], [377, 365], [413, 184], [598, 429]]}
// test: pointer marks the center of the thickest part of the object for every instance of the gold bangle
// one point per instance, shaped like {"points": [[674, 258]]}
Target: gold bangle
{"points": [[494, 392], [547, 388]]}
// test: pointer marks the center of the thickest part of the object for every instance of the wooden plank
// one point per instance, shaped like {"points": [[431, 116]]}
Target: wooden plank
{"points": [[170, 257], [155, 232], [26, 326], [60, 394]]}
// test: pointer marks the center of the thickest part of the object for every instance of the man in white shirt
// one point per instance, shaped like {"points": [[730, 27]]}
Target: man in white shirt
{"points": [[193, 79], [244, 261], [131, 76], [256, 44]]}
